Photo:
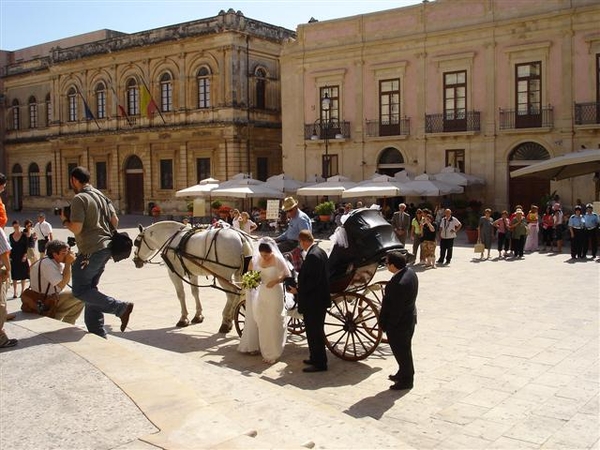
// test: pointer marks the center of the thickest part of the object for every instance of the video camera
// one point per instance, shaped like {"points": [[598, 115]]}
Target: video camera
{"points": [[65, 211], [71, 242]]}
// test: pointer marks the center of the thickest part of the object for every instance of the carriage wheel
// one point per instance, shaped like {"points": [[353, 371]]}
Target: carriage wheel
{"points": [[296, 326], [374, 292], [352, 326], [239, 317]]}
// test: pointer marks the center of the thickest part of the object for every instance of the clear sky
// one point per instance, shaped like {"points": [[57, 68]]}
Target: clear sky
{"points": [[24, 23]]}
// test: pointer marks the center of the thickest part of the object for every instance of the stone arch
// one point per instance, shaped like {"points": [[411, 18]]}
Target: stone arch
{"points": [[390, 160], [527, 190]]}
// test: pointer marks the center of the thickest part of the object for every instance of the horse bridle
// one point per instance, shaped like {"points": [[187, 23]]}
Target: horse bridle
{"points": [[140, 239]]}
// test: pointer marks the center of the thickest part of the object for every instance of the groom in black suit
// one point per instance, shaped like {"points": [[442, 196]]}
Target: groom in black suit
{"points": [[313, 300]]}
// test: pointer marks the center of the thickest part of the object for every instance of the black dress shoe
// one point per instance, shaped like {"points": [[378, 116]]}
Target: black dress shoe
{"points": [[401, 386], [308, 361], [311, 369], [125, 316]]}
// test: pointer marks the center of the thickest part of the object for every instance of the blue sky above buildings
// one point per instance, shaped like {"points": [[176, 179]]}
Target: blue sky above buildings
{"points": [[24, 23]]}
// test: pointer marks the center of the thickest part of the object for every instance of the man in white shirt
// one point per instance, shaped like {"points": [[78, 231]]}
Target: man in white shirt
{"points": [[449, 226], [54, 273], [43, 231]]}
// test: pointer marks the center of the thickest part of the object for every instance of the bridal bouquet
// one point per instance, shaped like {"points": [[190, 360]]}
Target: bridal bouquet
{"points": [[251, 279]]}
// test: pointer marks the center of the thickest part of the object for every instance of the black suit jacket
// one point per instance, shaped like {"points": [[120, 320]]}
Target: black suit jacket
{"points": [[398, 303], [313, 281]]}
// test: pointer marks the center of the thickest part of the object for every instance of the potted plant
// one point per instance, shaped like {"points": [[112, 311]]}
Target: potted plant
{"points": [[472, 221], [325, 210]]}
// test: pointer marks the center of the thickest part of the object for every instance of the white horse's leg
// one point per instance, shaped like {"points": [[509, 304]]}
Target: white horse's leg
{"points": [[198, 317], [228, 310], [178, 284]]}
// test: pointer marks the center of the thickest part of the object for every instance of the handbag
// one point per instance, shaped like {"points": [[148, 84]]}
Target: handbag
{"points": [[38, 303], [479, 247], [120, 243]]}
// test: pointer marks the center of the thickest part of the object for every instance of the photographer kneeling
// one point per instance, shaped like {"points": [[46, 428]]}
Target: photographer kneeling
{"points": [[55, 270]]}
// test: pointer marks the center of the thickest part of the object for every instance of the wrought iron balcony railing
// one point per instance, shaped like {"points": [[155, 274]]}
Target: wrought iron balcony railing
{"points": [[587, 113], [442, 123], [534, 118], [375, 128], [331, 129]]}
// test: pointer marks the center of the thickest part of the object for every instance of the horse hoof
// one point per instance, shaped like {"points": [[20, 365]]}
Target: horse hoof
{"points": [[225, 328], [198, 319], [182, 323]]}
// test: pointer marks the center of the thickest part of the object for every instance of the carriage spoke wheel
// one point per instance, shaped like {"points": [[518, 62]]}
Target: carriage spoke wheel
{"points": [[374, 292], [239, 317], [296, 326], [352, 326]]}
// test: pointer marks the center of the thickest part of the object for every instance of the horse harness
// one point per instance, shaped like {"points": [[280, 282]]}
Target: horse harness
{"points": [[199, 261]]}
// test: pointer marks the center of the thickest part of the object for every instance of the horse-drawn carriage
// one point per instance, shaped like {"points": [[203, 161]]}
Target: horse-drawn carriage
{"points": [[351, 325]]}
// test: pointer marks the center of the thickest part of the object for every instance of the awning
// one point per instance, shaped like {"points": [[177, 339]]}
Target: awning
{"points": [[565, 166]]}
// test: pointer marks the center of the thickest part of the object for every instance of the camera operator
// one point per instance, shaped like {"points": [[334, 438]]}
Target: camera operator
{"points": [[43, 231], [55, 270], [92, 215]]}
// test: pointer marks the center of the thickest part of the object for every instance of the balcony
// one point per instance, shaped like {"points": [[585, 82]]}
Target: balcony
{"points": [[332, 129], [374, 128], [587, 113], [442, 123], [510, 120]]}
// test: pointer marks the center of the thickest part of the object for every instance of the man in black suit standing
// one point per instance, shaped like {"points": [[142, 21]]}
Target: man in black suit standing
{"points": [[398, 317], [313, 300]]}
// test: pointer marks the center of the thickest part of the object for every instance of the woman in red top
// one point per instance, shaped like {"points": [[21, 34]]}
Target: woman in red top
{"points": [[547, 228]]}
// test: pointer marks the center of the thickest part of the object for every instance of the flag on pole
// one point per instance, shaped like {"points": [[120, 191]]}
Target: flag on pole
{"points": [[147, 104], [89, 115], [120, 108]]}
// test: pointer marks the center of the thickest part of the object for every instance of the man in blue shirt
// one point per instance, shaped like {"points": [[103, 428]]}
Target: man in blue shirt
{"points": [[576, 228], [591, 229], [298, 221]]}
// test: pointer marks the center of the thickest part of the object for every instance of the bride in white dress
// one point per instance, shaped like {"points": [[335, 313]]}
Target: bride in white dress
{"points": [[265, 328]]}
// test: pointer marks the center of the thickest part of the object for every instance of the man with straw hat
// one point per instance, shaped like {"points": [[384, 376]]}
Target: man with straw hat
{"points": [[298, 221]]}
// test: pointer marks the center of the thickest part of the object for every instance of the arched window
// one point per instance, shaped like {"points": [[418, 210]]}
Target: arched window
{"points": [[72, 102], [261, 87], [133, 97], [33, 112], [100, 100], [34, 180], [15, 114], [203, 87], [49, 179], [166, 92], [391, 155], [529, 151], [48, 110]]}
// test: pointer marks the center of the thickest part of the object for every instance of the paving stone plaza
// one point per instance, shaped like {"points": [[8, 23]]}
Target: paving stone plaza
{"points": [[506, 356]]}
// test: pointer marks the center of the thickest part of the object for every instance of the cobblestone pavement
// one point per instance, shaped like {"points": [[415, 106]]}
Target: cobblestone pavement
{"points": [[506, 355]]}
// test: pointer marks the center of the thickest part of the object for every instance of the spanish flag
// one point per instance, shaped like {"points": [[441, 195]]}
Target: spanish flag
{"points": [[147, 104]]}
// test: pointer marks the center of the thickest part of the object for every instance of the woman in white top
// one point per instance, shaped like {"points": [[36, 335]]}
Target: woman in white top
{"points": [[246, 224]]}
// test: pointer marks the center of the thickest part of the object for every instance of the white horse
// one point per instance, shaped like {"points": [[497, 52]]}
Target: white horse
{"points": [[218, 253]]}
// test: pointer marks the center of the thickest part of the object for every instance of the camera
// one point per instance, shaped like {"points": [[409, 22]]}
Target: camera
{"points": [[65, 211], [71, 242]]}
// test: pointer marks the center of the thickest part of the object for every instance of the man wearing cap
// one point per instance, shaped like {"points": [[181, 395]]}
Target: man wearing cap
{"points": [[591, 229], [298, 221], [577, 229]]}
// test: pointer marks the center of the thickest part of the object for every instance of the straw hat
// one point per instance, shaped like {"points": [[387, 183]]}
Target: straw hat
{"points": [[289, 203]]}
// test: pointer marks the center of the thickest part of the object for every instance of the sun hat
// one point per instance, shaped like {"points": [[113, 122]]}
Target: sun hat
{"points": [[289, 203]]}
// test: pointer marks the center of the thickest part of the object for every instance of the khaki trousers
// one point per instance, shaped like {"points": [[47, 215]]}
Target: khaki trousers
{"points": [[3, 290], [69, 308]]}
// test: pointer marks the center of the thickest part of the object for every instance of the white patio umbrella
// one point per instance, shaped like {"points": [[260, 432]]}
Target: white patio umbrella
{"points": [[247, 188], [378, 186], [428, 187], [285, 183], [452, 175], [333, 186], [315, 179], [202, 189]]}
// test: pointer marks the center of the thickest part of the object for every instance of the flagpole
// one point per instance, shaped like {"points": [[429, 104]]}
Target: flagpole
{"points": [[152, 99], [87, 109], [118, 105]]}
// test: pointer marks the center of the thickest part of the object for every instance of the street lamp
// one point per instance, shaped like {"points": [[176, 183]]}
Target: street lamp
{"points": [[326, 108]]}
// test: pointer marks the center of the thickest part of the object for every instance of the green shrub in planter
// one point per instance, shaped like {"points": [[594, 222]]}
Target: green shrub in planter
{"points": [[325, 208]]}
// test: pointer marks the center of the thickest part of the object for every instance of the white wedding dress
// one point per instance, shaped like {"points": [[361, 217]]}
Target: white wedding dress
{"points": [[265, 328]]}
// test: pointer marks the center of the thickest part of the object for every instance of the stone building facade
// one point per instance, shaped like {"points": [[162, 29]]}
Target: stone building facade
{"points": [[148, 113], [487, 86]]}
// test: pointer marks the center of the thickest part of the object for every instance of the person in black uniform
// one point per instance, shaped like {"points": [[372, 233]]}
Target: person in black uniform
{"points": [[398, 317], [313, 300]]}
